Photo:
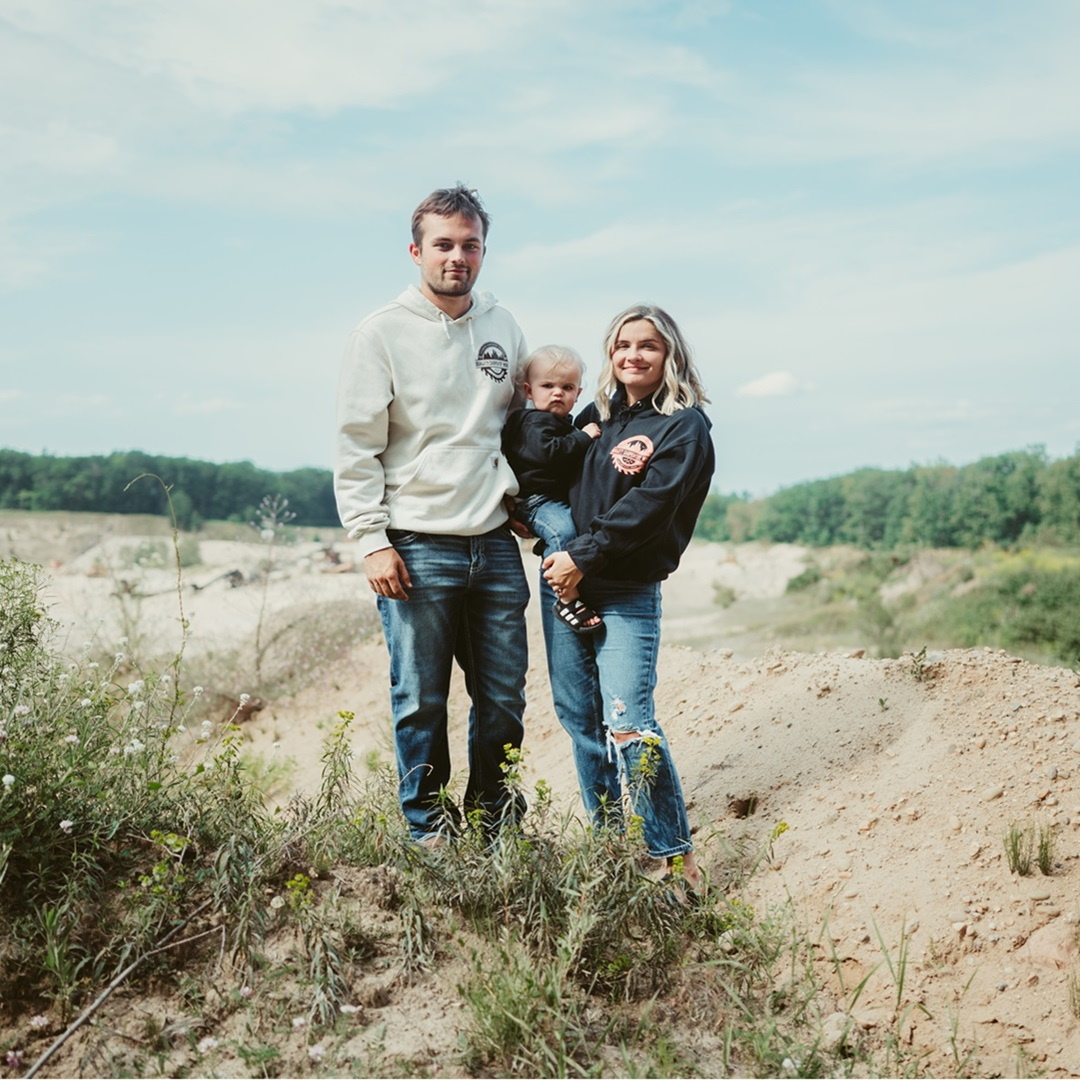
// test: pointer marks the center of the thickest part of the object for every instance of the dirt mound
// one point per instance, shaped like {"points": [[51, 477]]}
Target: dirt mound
{"points": [[878, 791]]}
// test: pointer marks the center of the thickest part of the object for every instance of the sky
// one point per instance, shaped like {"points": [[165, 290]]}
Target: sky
{"points": [[864, 215]]}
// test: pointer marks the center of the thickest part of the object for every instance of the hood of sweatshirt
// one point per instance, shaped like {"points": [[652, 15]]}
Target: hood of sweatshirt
{"points": [[412, 299]]}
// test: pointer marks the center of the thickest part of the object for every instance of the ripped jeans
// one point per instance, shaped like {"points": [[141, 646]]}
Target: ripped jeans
{"points": [[603, 684]]}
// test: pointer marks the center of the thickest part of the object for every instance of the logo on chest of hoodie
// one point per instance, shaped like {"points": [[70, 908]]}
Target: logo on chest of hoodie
{"points": [[492, 361], [630, 456]]}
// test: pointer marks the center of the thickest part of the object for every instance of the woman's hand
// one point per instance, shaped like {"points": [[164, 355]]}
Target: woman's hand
{"points": [[561, 572]]}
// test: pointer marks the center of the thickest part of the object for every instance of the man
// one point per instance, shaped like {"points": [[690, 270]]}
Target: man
{"points": [[421, 484]]}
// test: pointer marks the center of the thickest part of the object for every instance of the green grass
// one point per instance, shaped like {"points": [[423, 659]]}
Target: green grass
{"points": [[147, 886]]}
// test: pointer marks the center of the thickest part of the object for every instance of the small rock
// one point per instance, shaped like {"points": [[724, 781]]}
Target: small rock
{"points": [[834, 1030], [990, 794], [954, 823]]}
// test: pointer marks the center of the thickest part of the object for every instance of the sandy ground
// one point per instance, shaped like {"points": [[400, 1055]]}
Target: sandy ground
{"points": [[896, 781]]}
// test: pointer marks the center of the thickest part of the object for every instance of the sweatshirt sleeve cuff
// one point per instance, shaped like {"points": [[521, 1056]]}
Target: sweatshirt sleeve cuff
{"points": [[371, 542], [586, 555]]}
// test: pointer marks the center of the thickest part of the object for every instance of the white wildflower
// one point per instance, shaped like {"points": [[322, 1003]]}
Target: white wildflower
{"points": [[122, 641], [316, 1052], [207, 1043], [22, 710], [39, 1021], [245, 698], [298, 1022], [246, 992], [136, 688], [119, 658], [134, 747], [197, 690], [8, 780], [85, 703], [66, 825]]}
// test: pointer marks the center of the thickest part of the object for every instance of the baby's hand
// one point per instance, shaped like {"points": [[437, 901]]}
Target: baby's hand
{"points": [[592, 430]]}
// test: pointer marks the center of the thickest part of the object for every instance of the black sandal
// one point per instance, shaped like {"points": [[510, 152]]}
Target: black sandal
{"points": [[578, 616]]}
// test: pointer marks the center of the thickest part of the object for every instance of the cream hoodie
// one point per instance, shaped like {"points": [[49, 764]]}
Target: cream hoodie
{"points": [[421, 404]]}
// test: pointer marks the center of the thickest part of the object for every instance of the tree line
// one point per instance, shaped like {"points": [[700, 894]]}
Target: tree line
{"points": [[1017, 497], [1020, 496], [200, 490]]}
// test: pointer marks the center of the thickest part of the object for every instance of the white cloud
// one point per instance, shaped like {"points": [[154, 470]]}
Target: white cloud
{"points": [[970, 86], [775, 384], [28, 256], [205, 407], [10, 395], [84, 406], [284, 55]]}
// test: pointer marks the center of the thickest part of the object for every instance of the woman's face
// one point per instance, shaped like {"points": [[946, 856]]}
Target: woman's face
{"points": [[637, 358]]}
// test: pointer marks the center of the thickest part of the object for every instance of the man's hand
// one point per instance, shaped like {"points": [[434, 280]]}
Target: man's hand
{"points": [[518, 528], [387, 574], [592, 430]]}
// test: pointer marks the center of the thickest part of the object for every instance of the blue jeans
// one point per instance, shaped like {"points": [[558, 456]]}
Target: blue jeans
{"points": [[548, 519], [467, 603], [603, 684]]}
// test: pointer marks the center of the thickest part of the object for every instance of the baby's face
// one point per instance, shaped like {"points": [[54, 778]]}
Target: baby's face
{"points": [[554, 388]]}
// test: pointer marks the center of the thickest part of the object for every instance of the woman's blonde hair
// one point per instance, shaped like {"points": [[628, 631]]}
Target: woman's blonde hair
{"points": [[681, 387]]}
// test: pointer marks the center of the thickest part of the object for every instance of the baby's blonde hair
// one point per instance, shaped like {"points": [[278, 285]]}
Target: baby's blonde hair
{"points": [[555, 355]]}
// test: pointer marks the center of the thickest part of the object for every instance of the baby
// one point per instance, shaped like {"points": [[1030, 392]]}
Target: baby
{"points": [[545, 450]]}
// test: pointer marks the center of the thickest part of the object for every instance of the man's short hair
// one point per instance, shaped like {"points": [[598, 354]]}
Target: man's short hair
{"points": [[450, 202]]}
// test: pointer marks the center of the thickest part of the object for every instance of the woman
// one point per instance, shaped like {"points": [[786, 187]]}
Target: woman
{"points": [[635, 505]]}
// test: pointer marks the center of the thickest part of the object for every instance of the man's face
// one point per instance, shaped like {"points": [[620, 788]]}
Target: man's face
{"points": [[554, 388], [450, 254]]}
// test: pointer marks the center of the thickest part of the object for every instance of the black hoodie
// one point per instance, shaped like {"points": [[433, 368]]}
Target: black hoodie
{"points": [[641, 488]]}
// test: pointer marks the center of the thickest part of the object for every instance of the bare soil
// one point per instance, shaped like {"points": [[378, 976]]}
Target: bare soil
{"points": [[896, 779]]}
